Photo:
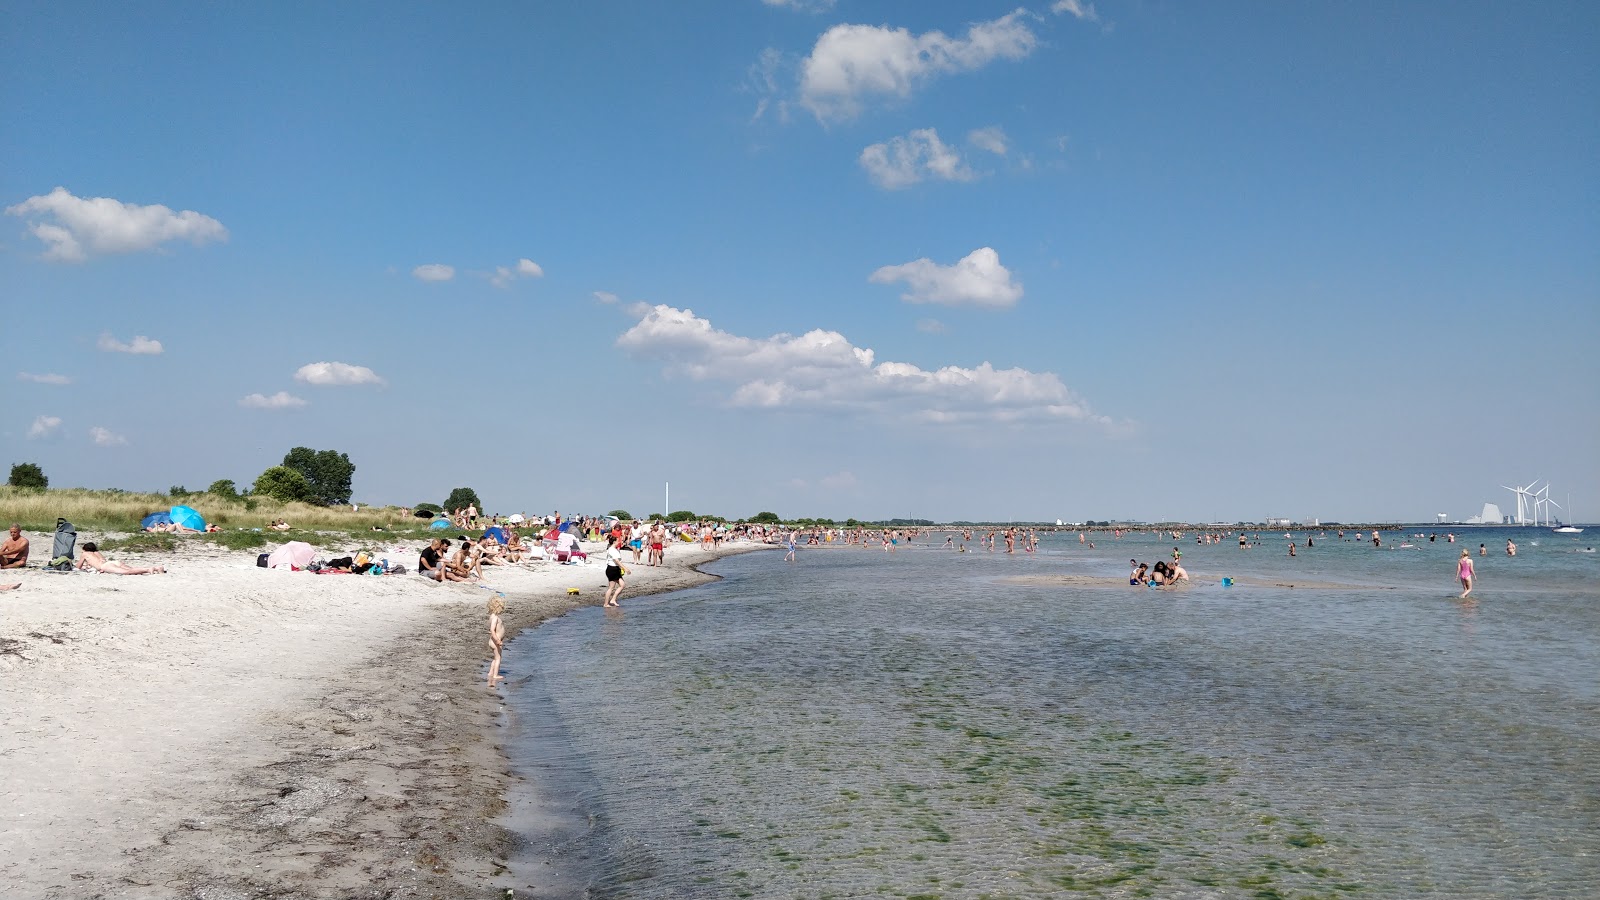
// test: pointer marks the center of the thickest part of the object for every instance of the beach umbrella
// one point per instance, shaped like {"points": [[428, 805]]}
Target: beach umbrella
{"points": [[184, 517], [158, 518], [516, 519], [294, 553], [440, 524]]}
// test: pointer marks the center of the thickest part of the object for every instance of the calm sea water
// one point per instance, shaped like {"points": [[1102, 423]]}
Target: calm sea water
{"points": [[921, 724]]}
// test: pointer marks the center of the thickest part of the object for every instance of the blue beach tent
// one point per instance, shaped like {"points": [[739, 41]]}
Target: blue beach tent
{"points": [[439, 523], [497, 533], [184, 517], [159, 518]]}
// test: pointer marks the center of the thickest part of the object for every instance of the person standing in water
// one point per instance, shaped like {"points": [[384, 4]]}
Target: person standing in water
{"points": [[1464, 572], [1511, 549], [497, 637]]}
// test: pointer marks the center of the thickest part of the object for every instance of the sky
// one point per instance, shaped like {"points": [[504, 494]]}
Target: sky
{"points": [[1114, 260]]}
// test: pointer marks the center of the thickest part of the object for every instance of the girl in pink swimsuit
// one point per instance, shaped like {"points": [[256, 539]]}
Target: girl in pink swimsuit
{"points": [[1465, 572]]}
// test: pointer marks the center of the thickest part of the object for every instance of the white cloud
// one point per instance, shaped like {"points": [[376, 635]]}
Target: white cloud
{"points": [[106, 438], [336, 373], [822, 371], [904, 161], [851, 63], [140, 345], [44, 379], [607, 297], [992, 139], [525, 268], [1078, 10], [434, 272], [43, 427], [280, 400], [930, 326], [977, 280], [85, 226], [812, 6], [838, 480]]}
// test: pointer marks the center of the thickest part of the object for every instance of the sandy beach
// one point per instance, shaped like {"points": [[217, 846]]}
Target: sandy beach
{"points": [[226, 731]]}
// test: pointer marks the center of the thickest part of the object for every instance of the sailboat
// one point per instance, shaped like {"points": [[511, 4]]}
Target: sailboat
{"points": [[1567, 529]]}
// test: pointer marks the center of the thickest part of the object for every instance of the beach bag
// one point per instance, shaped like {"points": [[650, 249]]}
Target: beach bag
{"points": [[261, 560], [66, 540], [59, 564]]}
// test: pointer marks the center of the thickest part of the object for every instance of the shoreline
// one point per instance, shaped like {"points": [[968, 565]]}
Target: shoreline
{"points": [[229, 731]]}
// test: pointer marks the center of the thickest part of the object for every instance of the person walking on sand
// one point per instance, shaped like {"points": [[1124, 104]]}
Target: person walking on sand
{"points": [[614, 573], [497, 637], [1464, 572]]}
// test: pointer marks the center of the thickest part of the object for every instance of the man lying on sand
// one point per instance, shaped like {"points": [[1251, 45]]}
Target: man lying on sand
{"points": [[14, 550], [93, 560]]}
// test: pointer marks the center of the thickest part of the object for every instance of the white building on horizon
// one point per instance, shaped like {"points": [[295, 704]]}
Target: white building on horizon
{"points": [[1489, 516]]}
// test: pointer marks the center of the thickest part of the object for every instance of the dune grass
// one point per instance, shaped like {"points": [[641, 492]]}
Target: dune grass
{"points": [[112, 510]]}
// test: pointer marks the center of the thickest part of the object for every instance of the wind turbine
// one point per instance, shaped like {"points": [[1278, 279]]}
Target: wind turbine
{"points": [[1544, 502], [1524, 494]]}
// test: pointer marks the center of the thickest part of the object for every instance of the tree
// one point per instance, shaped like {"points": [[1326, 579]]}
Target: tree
{"points": [[461, 498], [28, 475], [224, 487], [327, 471], [620, 513], [285, 485], [682, 515], [765, 518]]}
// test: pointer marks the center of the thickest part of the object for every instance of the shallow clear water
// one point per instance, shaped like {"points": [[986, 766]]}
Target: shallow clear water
{"points": [[921, 724]]}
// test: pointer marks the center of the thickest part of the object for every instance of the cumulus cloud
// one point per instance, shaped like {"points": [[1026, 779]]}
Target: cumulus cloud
{"points": [[43, 427], [434, 272], [336, 373], [43, 379], [992, 139], [1083, 12], [977, 280], [851, 64], [903, 161], [74, 228], [105, 437], [140, 345], [525, 268], [822, 371], [280, 400]]}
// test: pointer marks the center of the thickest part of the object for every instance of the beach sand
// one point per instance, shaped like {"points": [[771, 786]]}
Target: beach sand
{"points": [[226, 731]]}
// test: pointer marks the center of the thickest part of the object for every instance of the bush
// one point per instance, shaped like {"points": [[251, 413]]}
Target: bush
{"points": [[765, 518], [28, 475], [682, 515], [285, 485], [224, 488], [621, 514], [431, 509]]}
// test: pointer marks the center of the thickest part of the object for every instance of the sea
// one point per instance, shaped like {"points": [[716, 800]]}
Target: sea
{"points": [[936, 724]]}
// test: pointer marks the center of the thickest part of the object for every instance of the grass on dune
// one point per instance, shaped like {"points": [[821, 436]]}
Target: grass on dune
{"points": [[114, 510]]}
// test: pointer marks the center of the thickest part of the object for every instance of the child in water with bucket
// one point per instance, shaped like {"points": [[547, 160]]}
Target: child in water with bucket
{"points": [[497, 637]]}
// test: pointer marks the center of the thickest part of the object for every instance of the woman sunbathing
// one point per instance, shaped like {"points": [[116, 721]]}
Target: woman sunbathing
{"points": [[93, 560]]}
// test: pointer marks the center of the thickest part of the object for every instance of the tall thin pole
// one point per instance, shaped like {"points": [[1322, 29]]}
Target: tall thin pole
{"points": [[668, 511]]}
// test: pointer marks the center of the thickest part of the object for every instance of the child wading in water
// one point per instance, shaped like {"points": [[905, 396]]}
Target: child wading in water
{"points": [[497, 637]]}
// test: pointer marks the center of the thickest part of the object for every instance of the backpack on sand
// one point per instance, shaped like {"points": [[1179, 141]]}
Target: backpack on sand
{"points": [[66, 541]]}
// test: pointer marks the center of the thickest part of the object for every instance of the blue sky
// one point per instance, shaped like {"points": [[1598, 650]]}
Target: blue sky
{"points": [[950, 260]]}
